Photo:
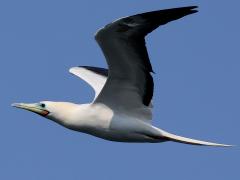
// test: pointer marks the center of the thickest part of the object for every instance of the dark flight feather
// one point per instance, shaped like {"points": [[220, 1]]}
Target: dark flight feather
{"points": [[130, 84]]}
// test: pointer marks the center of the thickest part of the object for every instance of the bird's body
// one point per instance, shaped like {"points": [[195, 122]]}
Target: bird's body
{"points": [[122, 107], [103, 122]]}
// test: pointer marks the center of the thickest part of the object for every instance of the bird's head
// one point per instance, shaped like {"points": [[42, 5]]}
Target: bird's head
{"points": [[48, 109]]}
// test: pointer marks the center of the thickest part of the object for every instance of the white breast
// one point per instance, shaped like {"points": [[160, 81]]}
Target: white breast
{"points": [[90, 117]]}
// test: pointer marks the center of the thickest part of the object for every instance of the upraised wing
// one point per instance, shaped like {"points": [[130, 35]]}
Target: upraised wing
{"points": [[130, 85]]}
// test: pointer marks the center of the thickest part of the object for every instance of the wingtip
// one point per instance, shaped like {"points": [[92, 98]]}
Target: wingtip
{"points": [[73, 69], [187, 7], [191, 9]]}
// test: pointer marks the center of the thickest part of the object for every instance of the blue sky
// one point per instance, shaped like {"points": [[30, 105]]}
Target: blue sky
{"points": [[196, 60]]}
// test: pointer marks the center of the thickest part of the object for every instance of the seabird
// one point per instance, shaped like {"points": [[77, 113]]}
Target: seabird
{"points": [[122, 108]]}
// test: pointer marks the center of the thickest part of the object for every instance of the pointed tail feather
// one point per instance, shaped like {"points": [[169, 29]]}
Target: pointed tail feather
{"points": [[185, 140]]}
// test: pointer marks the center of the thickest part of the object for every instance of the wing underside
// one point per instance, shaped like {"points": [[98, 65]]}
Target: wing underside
{"points": [[96, 77]]}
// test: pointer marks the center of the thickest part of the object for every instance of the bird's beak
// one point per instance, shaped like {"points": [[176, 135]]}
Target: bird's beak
{"points": [[35, 107]]}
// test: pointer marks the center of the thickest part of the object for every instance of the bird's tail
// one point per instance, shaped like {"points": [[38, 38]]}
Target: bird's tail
{"points": [[180, 139]]}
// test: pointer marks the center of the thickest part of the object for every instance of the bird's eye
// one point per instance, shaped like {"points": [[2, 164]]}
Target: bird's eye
{"points": [[42, 105]]}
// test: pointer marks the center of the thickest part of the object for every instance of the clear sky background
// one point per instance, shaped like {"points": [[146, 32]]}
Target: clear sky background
{"points": [[197, 65]]}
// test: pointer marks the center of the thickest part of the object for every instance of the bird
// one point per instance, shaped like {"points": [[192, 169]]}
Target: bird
{"points": [[121, 110]]}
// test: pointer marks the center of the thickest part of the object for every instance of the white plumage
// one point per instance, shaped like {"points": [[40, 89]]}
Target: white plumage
{"points": [[121, 109], [96, 81]]}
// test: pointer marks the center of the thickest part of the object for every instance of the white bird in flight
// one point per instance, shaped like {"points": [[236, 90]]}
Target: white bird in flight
{"points": [[122, 108]]}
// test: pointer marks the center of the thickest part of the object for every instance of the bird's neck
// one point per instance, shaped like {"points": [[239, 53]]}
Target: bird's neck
{"points": [[84, 117], [70, 114]]}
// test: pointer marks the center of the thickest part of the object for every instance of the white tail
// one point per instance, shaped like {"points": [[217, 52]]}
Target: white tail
{"points": [[185, 140]]}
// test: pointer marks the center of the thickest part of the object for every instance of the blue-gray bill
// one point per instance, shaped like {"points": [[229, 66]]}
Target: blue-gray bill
{"points": [[34, 107]]}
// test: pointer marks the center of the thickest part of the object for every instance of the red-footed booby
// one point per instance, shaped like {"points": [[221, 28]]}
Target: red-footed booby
{"points": [[122, 108]]}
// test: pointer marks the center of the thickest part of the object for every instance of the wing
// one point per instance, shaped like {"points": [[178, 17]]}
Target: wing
{"points": [[130, 85], [96, 77]]}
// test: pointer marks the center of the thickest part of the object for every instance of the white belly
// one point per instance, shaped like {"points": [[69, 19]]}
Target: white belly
{"points": [[101, 121]]}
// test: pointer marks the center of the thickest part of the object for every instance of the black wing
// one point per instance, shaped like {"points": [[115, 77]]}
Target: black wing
{"points": [[97, 70], [130, 84]]}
